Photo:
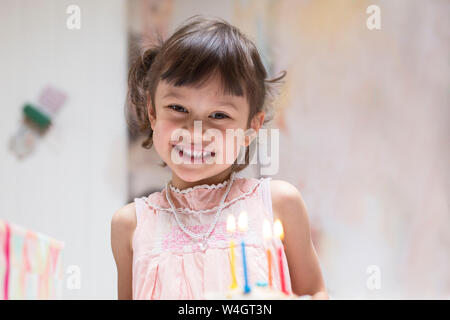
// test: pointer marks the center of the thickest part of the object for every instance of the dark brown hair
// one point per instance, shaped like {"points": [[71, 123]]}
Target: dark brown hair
{"points": [[198, 49]]}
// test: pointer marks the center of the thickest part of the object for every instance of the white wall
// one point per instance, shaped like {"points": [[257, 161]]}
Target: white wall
{"points": [[70, 187]]}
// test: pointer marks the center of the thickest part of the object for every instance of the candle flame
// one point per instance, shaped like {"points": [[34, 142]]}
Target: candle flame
{"points": [[243, 221], [267, 230], [278, 229], [231, 223]]}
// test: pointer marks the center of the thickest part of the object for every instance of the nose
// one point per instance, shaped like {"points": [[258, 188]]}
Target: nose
{"points": [[195, 133], [196, 129]]}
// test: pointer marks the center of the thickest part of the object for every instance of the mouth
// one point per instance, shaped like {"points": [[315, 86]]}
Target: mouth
{"points": [[193, 155]]}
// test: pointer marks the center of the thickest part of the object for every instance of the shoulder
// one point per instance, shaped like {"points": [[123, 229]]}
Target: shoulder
{"points": [[123, 222], [125, 217], [284, 193], [287, 202]]}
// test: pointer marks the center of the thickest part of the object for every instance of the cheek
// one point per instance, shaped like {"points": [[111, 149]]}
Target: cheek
{"points": [[233, 144], [230, 145], [162, 134]]}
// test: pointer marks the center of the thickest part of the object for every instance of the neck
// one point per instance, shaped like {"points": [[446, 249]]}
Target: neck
{"points": [[177, 182]]}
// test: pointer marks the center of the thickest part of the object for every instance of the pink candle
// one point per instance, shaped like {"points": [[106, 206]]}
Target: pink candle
{"points": [[283, 284], [278, 231]]}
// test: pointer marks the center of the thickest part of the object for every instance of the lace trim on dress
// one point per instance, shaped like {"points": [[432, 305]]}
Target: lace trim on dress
{"points": [[226, 203], [204, 186]]}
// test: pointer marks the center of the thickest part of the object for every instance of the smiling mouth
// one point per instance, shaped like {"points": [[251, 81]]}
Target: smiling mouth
{"points": [[191, 154]]}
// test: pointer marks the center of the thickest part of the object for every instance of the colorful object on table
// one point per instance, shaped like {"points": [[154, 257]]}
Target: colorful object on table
{"points": [[36, 115], [279, 233], [51, 100], [267, 234], [231, 227], [30, 264], [243, 226], [37, 118], [22, 143]]}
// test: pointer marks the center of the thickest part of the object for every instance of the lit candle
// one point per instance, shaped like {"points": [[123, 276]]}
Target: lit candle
{"points": [[242, 226], [278, 232], [231, 227], [267, 234]]}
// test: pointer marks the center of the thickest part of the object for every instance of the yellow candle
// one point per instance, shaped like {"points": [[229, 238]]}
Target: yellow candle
{"points": [[267, 234], [231, 227]]}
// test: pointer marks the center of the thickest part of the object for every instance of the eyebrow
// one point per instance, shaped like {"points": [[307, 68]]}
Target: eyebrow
{"points": [[228, 104], [173, 94]]}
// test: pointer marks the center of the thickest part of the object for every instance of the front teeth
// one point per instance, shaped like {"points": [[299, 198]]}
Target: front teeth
{"points": [[195, 154]]}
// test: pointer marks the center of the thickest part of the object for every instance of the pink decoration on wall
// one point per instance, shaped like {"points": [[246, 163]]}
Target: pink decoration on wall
{"points": [[31, 264], [7, 261]]}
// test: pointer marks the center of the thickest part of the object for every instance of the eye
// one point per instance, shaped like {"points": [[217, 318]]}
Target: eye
{"points": [[177, 108], [219, 115]]}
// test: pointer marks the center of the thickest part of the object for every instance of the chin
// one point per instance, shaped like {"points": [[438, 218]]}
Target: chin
{"points": [[191, 175], [195, 174]]}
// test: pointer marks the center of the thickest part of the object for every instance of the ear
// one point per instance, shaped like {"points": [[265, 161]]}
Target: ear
{"points": [[151, 112], [255, 125]]}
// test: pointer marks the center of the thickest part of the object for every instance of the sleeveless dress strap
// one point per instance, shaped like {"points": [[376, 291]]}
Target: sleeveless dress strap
{"points": [[267, 197], [140, 210]]}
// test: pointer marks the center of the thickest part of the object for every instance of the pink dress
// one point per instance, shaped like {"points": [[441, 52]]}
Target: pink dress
{"points": [[168, 264]]}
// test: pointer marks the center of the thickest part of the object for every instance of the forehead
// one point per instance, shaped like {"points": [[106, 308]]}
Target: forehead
{"points": [[211, 89]]}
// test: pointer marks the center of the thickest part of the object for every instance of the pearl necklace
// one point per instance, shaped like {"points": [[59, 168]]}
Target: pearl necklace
{"points": [[201, 238]]}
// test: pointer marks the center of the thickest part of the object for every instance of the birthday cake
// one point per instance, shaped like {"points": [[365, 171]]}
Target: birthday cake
{"points": [[262, 290], [259, 292]]}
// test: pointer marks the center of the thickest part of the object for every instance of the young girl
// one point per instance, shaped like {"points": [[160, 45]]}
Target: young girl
{"points": [[174, 244]]}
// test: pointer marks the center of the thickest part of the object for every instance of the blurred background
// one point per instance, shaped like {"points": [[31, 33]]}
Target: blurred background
{"points": [[364, 118]]}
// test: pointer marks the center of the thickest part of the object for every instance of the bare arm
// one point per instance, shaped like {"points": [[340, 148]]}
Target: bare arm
{"points": [[304, 268], [123, 224]]}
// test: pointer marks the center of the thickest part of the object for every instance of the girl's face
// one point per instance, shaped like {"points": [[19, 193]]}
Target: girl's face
{"points": [[205, 150]]}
